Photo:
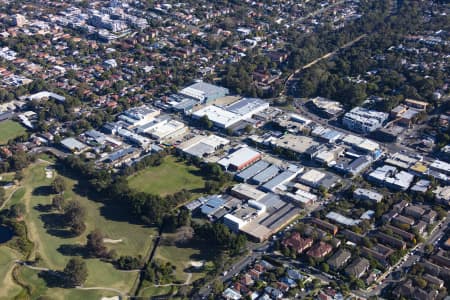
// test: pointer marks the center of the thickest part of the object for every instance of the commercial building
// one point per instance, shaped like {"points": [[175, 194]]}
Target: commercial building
{"points": [[390, 177], [203, 145], [73, 145], [326, 107], [260, 219], [363, 120], [245, 191], [317, 179], [420, 105], [363, 145], [295, 143], [240, 159], [365, 194], [247, 107], [220, 117], [278, 181], [204, 92], [163, 129], [440, 166], [138, 116], [133, 138], [301, 198], [252, 171], [354, 167], [266, 175]]}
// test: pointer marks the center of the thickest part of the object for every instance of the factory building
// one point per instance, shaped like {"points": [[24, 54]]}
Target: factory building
{"points": [[204, 92], [240, 159]]}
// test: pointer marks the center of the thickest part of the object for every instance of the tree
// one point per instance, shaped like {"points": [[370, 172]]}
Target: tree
{"points": [[75, 272], [17, 210], [58, 202], [2, 195], [95, 245], [59, 185], [205, 122], [325, 267], [74, 216]]}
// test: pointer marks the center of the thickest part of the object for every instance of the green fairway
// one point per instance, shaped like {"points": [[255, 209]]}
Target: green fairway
{"points": [[10, 130], [16, 196], [168, 178], [183, 256], [38, 288], [126, 238], [8, 289]]}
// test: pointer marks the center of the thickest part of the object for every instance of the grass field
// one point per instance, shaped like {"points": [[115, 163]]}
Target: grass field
{"points": [[10, 130], [8, 289], [168, 178], [17, 196], [181, 257], [112, 221]]}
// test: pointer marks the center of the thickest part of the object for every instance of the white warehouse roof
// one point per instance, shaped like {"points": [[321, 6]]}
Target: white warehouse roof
{"points": [[219, 116]]}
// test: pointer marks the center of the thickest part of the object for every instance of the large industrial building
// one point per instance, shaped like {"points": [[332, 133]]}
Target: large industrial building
{"points": [[138, 116], [240, 159], [203, 145], [204, 92], [220, 117], [260, 219], [247, 107]]}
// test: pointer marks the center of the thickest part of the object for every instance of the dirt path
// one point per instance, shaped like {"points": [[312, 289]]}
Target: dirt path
{"points": [[9, 197]]}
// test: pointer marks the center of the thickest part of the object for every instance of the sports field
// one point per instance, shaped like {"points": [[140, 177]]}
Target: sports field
{"points": [[10, 130], [168, 178]]}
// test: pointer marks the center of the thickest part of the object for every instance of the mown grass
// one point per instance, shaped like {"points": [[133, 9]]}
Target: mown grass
{"points": [[168, 178], [10, 130]]}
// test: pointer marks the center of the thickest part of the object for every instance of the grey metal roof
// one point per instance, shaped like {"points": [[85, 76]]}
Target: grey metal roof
{"points": [[252, 170], [266, 175]]}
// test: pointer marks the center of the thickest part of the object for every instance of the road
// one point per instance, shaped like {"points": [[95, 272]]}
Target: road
{"points": [[391, 147], [256, 251], [412, 257], [312, 63]]}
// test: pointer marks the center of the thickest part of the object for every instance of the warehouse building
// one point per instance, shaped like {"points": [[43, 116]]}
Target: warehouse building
{"points": [[203, 145], [245, 191], [295, 143], [138, 116], [266, 175], [73, 145], [204, 92], [220, 117], [240, 159], [278, 181], [247, 107], [252, 171]]}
